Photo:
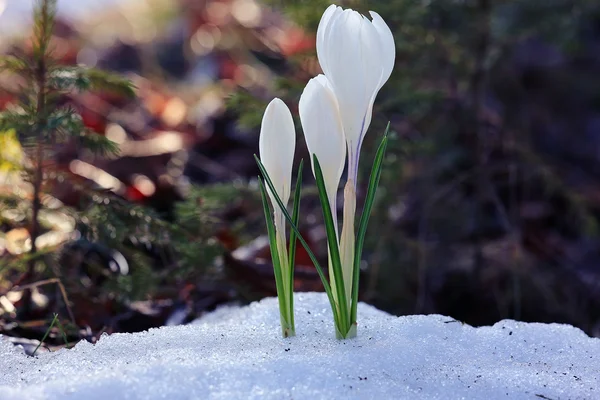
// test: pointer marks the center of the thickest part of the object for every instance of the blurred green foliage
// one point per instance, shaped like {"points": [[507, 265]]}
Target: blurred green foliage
{"points": [[32, 133], [96, 230]]}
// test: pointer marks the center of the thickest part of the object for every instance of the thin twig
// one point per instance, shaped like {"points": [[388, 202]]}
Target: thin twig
{"points": [[48, 282]]}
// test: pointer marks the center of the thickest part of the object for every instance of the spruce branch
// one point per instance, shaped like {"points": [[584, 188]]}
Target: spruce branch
{"points": [[18, 120], [98, 144], [15, 65], [44, 15], [67, 79], [103, 81]]}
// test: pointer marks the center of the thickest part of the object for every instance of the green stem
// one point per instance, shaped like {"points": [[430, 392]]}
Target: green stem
{"points": [[347, 240], [292, 248], [287, 294]]}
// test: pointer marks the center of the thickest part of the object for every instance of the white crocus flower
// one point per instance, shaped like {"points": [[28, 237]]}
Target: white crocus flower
{"points": [[323, 133], [357, 56], [277, 143]]}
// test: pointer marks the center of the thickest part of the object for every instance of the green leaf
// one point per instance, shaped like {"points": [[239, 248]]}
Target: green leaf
{"points": [[333, 245], [295, 218], [295, 215], [273, 245], [299, 235], [364, 220]]}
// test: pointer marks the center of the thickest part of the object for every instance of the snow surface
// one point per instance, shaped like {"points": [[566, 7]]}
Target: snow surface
{"points": [[237, 353]]}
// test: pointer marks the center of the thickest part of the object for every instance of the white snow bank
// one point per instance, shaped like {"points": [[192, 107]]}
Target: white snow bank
{"points": [[238, 354]]}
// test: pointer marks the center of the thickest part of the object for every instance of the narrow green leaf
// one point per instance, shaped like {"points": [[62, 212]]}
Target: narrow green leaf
{"points": [[295, 215], [332, 242], [364, 220], [295, 218], [299, 235], [63, 333], [273, 245], [54, 320]]}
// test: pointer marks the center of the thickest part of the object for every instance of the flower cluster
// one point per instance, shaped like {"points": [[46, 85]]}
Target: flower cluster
{"points": [[357, 57]]}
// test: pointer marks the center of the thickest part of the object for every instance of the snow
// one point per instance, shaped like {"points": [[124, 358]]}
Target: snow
{"points": [[237, 353]]}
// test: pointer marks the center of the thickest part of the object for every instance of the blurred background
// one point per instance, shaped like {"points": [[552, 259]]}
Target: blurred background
{"points": [[488, 206]]}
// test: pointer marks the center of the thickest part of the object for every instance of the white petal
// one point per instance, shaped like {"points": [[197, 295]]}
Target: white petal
{"points": [[346, 71], [322, 79], [372, 54], [388, 46], [357, 56], [323, 131], [277, 143], [324, 24]]}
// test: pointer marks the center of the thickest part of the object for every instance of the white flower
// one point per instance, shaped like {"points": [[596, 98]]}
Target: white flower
{"points": [[277, 143], [357, 56], [323, 133]]}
